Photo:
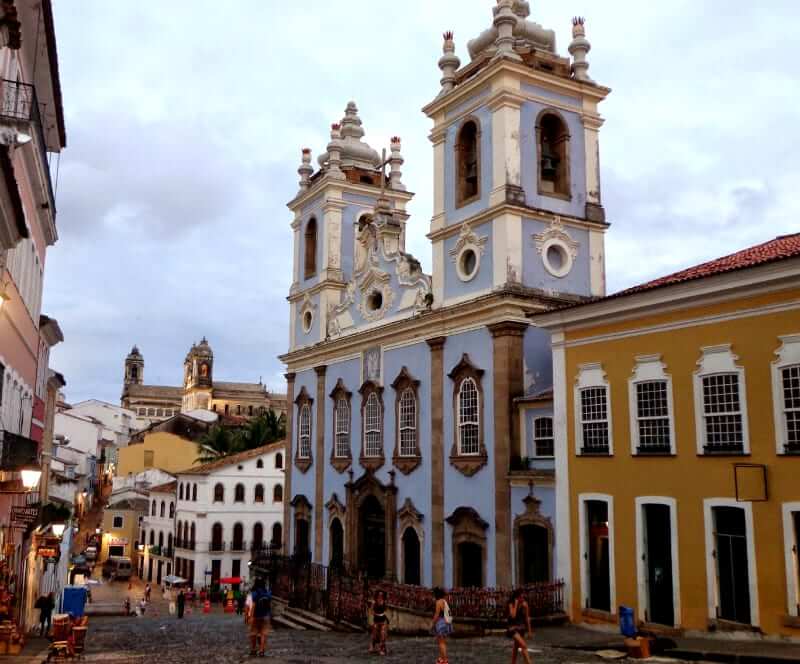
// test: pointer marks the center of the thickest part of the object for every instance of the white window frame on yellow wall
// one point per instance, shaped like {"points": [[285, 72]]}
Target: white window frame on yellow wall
{"points": [[788, 354], [718, 360], [792, 557], [583, 542], [711, 561], [649, 369], [591, 375], [641, 560]]}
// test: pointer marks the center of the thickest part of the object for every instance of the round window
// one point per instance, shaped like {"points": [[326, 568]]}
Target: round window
{"points": [[375, 300], [467, 265], [557, 258], [308, 318]]}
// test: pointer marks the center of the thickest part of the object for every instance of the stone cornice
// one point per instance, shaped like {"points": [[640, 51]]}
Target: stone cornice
{"points": [[318, 187], [527, 75], [502, 208], [328, 284], [501, 305]]}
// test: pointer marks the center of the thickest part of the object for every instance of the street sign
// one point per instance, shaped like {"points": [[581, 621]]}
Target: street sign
{"points": [[22, 517], [47, 552]]}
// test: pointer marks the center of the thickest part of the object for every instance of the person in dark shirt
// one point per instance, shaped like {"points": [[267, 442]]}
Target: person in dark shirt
{"points": [[45, 604], [262, 612], [181, 603]]}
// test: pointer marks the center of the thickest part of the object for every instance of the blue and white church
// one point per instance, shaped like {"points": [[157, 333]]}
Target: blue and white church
{"points": [[420, 408]]}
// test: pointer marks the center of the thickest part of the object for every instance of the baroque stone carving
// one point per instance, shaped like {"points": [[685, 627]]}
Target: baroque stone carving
{"points": [[556, 232], [468, 238]]}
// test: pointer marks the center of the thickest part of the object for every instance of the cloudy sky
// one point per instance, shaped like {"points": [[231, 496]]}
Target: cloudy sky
{"points": [[185, 124]]}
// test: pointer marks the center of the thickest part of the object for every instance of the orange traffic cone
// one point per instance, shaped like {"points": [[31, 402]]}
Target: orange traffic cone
{"points": [[206, 607]]}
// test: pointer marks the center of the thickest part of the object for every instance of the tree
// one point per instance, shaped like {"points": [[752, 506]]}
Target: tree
{"points": [[262, 430], [219, 442]]}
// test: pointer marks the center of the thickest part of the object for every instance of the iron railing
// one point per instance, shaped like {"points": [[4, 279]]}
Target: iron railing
{"points": [[18, 103], [17, 452]]}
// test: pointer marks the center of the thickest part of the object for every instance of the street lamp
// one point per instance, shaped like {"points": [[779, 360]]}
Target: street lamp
{"points": [[58, 529], [30, 476], [84, 493], [97, 531]]}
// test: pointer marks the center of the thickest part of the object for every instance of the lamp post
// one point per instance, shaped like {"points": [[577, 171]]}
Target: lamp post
{"points": [[30, 477]]}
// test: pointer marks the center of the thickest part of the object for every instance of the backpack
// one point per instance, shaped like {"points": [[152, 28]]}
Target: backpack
{"points": [[448, 618], [262, 601]]}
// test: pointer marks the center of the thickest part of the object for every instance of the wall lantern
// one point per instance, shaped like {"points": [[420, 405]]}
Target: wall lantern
{"points": [[30, 476]]}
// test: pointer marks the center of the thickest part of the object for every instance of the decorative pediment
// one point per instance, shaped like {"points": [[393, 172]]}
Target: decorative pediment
{"points": [[339, 390], [466, 515], [303, 397], [465, 367], [468, 238], [300, 501], [408, 515], [555, 232], [404, 379], [335, 507]]}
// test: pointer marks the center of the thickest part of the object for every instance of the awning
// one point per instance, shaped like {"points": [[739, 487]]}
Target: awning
{"points": [[174, 580], [231, 579]]}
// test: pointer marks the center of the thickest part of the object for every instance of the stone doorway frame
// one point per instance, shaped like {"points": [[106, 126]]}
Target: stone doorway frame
{"points": [[532, 516], [386, 494]]}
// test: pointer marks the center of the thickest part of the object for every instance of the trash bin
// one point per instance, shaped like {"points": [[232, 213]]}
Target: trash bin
{"points": [[627, 626], [74, 600]]}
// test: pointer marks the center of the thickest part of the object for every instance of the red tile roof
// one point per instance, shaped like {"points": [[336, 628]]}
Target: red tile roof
{"points": [[782, 247], [206, 468]]}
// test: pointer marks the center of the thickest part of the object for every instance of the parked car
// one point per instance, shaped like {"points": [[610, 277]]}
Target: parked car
{"points": [[90, 553], [118, 567]]}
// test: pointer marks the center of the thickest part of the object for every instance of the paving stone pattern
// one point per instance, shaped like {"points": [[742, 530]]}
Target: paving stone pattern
{"points": [[222, 638]]}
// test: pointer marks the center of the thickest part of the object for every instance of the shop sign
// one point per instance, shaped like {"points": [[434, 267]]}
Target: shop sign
{"points": [[22, 517], [118, 541], [47, 552]]}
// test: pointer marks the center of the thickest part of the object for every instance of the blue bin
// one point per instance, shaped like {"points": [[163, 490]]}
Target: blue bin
{"points": [[627, 625], [74, 600]]}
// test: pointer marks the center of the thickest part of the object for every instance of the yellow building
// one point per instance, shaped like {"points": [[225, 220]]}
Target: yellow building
{"points": [[677, 417], [121, 528], [169, 446]]}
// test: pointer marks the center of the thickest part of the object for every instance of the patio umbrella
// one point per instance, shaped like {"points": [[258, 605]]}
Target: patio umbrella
{"points": [[231, 579], [173, 580]]}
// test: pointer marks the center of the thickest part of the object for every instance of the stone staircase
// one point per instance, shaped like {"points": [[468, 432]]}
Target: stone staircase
{"points": [[299, 619]]}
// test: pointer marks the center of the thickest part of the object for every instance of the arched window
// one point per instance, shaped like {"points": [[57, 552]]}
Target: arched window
{"points": [[277, 494], [192, 534], [169, 544], [238, 494], [304, 432], [260, 463], [277, 535], [180, 491], [179, 535], [373, 422], [259, 494], [238, 409], [227, 408], [342, 424], [160, 540], [171, 510], [310, 240], [152, 537], [258, 536], [407, 411], [153, 509], [216, 538], [219, 493], [143, 537], [194, 493], [279, 461], [238, 538], [249, 410], [468, 417], [467, 163], [162, 512], [553, 141]]}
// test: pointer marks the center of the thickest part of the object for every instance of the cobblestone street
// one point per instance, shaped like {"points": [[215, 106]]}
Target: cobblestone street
{"points": [[222, 638]]}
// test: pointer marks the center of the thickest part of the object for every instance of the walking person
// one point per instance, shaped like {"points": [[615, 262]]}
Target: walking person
{"points": [[442, 624], [241, 597], [45, 604], [181, 603], [262, 612], [380, 624], [519, 625], [147, 591]]}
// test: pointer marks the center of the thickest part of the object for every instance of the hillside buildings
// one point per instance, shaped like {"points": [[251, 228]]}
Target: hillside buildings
{"points": [[154, 403]]}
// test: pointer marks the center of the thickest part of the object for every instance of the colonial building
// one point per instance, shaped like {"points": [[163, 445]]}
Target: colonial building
{"points": [[225, 510], [677, 413], [156, 537], [421, 424], [199, 391]]}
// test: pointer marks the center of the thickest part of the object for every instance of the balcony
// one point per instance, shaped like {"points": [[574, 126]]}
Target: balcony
{"points": [[239, 546], [17, 452], [186, 546], [18, 104], [214, 547]]}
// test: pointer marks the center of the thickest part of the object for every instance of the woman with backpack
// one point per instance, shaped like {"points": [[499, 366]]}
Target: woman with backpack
{"points": [[380, 624], [442, 623], [262, 612]]}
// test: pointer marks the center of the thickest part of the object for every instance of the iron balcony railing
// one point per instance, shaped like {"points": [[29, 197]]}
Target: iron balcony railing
{"points": [[17, 452], [18, 103]]}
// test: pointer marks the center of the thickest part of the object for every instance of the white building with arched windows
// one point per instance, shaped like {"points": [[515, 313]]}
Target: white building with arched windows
{"points": [[225, 510]]}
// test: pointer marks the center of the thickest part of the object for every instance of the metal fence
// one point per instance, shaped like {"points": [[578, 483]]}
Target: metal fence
{"points": [[341, 595]]}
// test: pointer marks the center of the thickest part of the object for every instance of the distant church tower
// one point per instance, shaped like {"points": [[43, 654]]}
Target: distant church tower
{"points": [[134, 367], [197, 377]]}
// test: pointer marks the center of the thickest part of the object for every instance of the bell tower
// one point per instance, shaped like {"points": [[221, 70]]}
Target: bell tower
{"points": [[134, 367], [198, 370], [517, 197]]}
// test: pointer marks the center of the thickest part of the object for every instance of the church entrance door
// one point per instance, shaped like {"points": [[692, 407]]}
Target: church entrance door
{"points": [[411, 572], [471, 567], [372, 538], [535, 554]]}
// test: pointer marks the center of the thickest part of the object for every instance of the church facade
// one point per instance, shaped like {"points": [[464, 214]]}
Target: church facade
{"points": [[421, 420], [154, 403]]}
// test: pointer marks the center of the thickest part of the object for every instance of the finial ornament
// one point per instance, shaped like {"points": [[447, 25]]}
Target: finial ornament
{"points": [[505, 20], [579, 48], [335, 149], [395, 162], [305, 171], [448, 63]]}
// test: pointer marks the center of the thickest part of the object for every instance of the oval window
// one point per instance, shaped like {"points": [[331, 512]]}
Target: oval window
{"points": [[555, 256], [375, 300], [308, 319]]}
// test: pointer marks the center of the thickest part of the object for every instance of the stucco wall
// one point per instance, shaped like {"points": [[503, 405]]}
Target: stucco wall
{"points": [[170, 452]]}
